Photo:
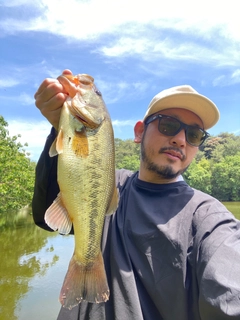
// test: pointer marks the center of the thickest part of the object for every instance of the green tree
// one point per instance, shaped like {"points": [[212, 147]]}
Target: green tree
{"points": [[218, 147], [209, 146], [198, 175], [130, 162], [229, 146], [16, 173], [226, 178], [215, 169], [127, 154]]}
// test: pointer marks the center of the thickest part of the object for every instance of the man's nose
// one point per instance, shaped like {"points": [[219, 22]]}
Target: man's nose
{"points": [[179, 139]]}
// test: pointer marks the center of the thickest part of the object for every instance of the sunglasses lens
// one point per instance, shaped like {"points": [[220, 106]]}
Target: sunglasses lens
{"points": [[195, 136], [168, 126]]}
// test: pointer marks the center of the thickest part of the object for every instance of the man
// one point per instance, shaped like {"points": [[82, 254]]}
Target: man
{"points": [[171, 252]]}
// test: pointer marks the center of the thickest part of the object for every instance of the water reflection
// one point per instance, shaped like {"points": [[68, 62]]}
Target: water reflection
{"points": [[31, 271]]}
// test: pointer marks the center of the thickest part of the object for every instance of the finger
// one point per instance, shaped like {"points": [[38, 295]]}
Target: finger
{"points": [[48, 92], [53, 93], [55, 102], [51, 109], [44, 85], [48, 81], [67, 71]]}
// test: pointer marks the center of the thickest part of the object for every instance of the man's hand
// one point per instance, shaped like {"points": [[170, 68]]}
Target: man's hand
{"points": [[49, 99]]}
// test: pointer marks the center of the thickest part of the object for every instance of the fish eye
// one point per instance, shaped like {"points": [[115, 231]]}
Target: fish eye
{"points": [[98, 92]]}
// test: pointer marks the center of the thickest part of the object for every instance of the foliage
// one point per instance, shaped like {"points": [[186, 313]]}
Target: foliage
{"points": [[226, 178], [130, 163], [199, 175], [16, 173], [216, 148], [215, 170], [125, 148]]}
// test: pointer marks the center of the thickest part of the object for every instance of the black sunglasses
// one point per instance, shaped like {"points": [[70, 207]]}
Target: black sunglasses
{"points": [[170, 126]]}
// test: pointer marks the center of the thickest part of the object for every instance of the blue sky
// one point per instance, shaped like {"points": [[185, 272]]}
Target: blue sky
{"points": [[133, 50]]}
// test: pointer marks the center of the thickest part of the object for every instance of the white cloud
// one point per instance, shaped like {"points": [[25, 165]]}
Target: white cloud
{"points": [[123, 123], [82, 19], [26, 99], [126, 45], [123, 128], [89, 19], [237, 131], [15, 3], [236, 76], [219, 80], [164, 47], [115, 89], [33, 133], [227, 79], [206, 32], [21, 99], [24, 77], [8, 82]]}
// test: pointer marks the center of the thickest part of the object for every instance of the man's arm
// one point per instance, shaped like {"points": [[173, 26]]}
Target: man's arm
{"points": [[49, 99], [218, 263], [46, 187]]}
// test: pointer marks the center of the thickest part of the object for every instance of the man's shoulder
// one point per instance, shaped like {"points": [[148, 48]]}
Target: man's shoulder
{"points": [[209, 208], [202, 196], [121, 176]]}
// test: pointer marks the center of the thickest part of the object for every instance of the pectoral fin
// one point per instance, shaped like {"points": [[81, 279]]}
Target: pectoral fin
{"points": [[57, 217], [114, 202]]}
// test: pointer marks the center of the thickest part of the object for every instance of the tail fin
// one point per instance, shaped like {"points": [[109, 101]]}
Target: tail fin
{"points": [[84, 282]]}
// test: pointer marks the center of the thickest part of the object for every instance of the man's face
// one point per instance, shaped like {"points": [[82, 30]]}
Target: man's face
{"points": [[164, 158]]}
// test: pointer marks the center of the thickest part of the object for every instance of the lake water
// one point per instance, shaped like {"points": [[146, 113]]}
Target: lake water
{"points": [[32, 268]]}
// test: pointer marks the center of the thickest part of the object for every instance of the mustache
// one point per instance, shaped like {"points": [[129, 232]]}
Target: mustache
{"points": [[164, 149]]}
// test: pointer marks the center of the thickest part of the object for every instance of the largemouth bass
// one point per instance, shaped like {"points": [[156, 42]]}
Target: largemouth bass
{"points": [[86, 178]]}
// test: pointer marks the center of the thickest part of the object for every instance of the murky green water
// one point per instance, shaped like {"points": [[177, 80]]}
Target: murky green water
{"points": [[32, 268]]}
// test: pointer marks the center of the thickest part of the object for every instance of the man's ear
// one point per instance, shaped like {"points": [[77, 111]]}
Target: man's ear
{"points": [[138, 131]]}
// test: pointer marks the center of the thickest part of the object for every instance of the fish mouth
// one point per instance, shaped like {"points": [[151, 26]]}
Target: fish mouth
{"points": [[86, 122], [83, 111], [81, 80], [85, 117], [76, 87], [73, 84]]}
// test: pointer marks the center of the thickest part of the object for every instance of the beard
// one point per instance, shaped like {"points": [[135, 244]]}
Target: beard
{"points": [[164, 171]]}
